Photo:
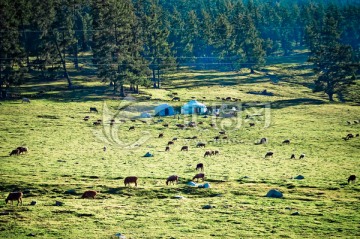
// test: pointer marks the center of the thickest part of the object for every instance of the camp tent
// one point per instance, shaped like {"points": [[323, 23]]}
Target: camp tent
{"points": [[145, 115], [193, 107], [164, 110]]}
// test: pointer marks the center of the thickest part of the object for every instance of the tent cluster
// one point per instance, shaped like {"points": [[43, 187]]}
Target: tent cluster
{"points": [[192, 107]]}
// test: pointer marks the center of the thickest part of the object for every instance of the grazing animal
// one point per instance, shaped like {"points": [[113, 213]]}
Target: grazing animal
{"points": [[194, 137], [174, 139], [348, 122], [225, 137], [252, 124], [199, 176], [286, 141], [352, 179], [216, 152], [350, 136], [176, 99], [292, 156], [222, 132], [172, 179], [356, 122], [184, 148], [86, 118], [89, 194], [200, 145], [201, 122], [263, 141], [104, 149], [302, 156], [269, 154], [170, 142], [15, 152], [123, 121], [161, 135], [166, 125], [357, 135], [14, 196], [133, 120], [132, 128], [22, 149], [130, 179], [217, 137], [97, 123], [93, 109], [207, 153], [212, 125], [200, 166], [167, 148], [26, 100], [192, 124]]}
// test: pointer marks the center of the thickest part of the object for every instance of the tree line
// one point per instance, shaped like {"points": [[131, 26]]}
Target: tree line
{"points": [[134, 42]]}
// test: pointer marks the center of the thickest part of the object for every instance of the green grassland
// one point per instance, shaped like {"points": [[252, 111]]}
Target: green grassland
{"points": [[66, 158]]}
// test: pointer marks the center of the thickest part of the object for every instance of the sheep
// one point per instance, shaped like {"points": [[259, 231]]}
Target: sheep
{"points": [[132, 128], [269, 154], [198, 145], [172, 179], [170, 143], [207, 153], [161, 135], [26, 100], [89, 194], [130, 179], [286, 141], [22, 149], [167, 148], [14, 196], [352, 179], [15, 152], [292, 156], [200, 166], [302, 156], [184, 148], [93, 109], [199, 176]]}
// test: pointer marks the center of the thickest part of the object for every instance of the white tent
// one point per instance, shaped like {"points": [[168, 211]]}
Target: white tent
{"points": [[164, 110], [145, 115], [193, 107]]}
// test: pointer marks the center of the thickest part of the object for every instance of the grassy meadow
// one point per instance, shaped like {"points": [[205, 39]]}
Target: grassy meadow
{"points": [[66, 158]]}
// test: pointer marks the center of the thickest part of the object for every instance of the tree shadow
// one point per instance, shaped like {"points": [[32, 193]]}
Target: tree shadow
{"points": [[294, 102]]}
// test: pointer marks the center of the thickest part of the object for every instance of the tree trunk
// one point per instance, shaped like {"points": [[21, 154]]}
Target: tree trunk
{"points": [[154, 78], [158, 79], [137, 89], [331, 96], [122, 91], [76, 60], [63, 62]]}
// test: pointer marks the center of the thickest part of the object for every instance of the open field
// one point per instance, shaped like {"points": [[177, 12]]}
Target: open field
{"points": [[66, 158]]}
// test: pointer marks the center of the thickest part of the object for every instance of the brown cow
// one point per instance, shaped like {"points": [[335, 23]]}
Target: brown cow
{"points": [[132, 128], [89, 194], [207, 153], [172, 179], [167, 148], [292, 156], [14, 196], [199, 176], [130, 179], [200, 144], [170, 142], [22, 149], [184, 148], [252, 124], [200, 166], [161, 135], [286, 141], [216, 152]]}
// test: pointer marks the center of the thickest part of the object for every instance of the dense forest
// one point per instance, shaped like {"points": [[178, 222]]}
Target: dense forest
{"points": [[134, 43]]}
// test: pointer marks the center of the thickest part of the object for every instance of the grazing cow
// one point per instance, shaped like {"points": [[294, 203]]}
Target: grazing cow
{"points": [[89, 194], [352, 179], [357, 135], [217, 137], [176, 99], [348, 122], [26, 100], [252, 124], [15, 152], [192, 124], [181, 126], [22, 149], [194, 137], [166, 125], [286, 141], [199, 176], [212, 125], [14, 196], [132, 128], [269, 154], [200, 145], [170, 142], [174, 139], [123, 121], [200, 166], [222, 132], [207, 153], [184, 148], [172, 179], [225, 137], [161, 135], [263, 141], [350, 136], [93, 109], [302, 156], [292, 156], [167, 148], [133, 120], [97, 123], [216, 152], [356, 122], [130, 179], [200, 122], [86, 118]]}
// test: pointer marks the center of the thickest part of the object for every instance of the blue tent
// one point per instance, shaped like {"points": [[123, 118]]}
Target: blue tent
{"points": [[164, 110]]}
